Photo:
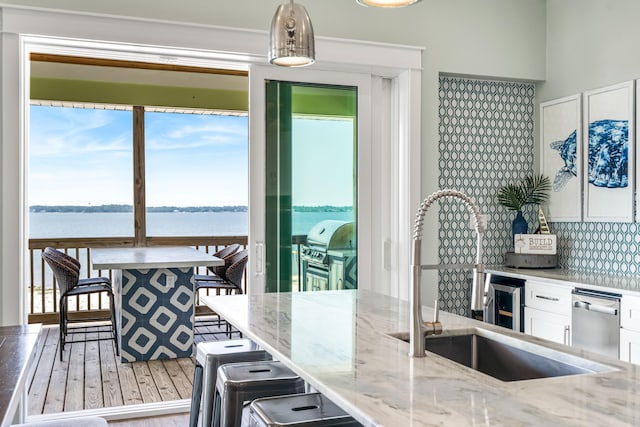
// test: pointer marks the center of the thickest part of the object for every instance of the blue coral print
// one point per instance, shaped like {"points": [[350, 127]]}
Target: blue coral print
{"points": [[608, 155]]}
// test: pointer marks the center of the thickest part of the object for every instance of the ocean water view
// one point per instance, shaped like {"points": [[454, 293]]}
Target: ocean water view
{"points": [[118, 224]]}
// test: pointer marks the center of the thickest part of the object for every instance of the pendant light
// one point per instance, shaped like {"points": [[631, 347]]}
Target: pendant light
{"points": [[291, 40], [386, 3]]}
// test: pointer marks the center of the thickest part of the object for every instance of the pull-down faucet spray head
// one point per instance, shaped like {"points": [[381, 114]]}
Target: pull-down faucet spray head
{"points": [[417, 329]]}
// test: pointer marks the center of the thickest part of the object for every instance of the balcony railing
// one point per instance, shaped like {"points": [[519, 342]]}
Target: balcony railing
{"points": [[42, 295]]}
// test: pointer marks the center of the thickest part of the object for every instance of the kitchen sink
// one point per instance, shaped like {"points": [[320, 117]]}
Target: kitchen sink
{"points": [[507, 358]]}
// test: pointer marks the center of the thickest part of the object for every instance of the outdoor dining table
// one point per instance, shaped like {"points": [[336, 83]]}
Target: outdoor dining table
{"points": [[154, 290]]}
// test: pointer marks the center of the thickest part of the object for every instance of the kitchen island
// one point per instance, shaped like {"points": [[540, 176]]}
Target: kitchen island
{"points": [[339, 342], [18, 346]]}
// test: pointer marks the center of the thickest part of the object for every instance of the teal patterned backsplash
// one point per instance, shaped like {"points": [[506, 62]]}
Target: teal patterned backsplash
{"points": [[602, 247], [486, 141]]}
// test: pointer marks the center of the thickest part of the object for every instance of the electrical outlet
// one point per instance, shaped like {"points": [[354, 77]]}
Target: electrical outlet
{"points": [[171, 281]]}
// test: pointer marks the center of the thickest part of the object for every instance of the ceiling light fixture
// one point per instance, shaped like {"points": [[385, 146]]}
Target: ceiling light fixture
{"points": [[291, 40], [386, 3]]}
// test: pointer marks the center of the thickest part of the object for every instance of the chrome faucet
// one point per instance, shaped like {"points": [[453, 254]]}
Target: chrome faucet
{"points": [[418, 328]]}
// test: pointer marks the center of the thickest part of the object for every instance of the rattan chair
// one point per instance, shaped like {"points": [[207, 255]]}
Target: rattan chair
{"points": [[232, 279], [216, 273], [66, 271], [231, 282]]}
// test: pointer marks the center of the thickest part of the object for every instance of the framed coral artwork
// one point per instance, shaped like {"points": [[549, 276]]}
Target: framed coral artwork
{"points": [[561, 156], [609, 150]]}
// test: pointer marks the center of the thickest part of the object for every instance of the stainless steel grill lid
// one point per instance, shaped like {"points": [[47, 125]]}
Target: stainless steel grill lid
{"points": [[332, 234]]}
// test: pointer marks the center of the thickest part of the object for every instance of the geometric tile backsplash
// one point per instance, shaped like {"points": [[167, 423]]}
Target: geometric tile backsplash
{"points": [[603, 247], [486, 141]]}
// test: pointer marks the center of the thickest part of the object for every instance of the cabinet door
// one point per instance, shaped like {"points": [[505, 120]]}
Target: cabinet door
{"points": [[549, 326], [630, 312], [630, 346], [336, 273]]}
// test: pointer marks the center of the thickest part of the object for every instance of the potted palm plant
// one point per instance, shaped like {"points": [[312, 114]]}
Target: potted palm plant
{"points": [[531, 190]]}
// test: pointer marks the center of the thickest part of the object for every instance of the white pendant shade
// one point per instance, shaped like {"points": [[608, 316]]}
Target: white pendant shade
{"points": [[291, 42], [387, 3]]}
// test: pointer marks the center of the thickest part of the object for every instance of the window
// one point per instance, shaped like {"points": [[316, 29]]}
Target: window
{"points": [[80, 172], [81, 162], [196, 174]]}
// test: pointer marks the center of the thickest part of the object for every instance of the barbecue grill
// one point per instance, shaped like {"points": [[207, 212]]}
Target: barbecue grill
{"points": [[329, 257]]}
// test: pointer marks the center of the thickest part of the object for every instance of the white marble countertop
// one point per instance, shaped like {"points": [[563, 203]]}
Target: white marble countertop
{"points": [[338, 341], [629, 285], [154, 257], [17, 360]]}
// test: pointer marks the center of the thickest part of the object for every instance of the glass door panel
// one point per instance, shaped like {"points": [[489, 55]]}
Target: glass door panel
{"points": [[311, 187], [306, 184]]}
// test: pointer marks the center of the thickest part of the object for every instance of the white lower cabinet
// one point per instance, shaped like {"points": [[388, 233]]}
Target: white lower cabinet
{"points": [[551, 326], [630, 346], [547, 311], [630, 329]]}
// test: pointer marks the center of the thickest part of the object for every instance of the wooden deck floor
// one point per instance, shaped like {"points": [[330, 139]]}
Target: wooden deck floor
{"points": [[92, 377]]}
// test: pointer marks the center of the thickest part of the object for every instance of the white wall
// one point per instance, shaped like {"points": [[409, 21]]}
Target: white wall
{"points": [[490, 38], [593, 43]]}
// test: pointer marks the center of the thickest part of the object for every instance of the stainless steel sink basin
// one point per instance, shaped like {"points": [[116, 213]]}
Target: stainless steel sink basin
{"points": [[507, 358]]}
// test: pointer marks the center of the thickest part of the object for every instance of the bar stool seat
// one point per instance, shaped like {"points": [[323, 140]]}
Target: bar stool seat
{"points": [[238, 383], [311, 409], [209, 357]]}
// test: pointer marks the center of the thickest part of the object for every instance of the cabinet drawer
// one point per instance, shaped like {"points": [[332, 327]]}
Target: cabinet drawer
{"points": [[551, 298], [630, 312]]}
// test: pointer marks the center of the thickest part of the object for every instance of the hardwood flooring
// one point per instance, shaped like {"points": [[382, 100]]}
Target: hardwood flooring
{"points": [[91, 376]]}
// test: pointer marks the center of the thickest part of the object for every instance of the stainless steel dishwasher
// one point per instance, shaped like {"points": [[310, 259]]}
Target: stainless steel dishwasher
{"points": [[595, 321]]}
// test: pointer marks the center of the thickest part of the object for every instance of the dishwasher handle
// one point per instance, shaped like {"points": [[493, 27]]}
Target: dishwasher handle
{"points": [[584, 305]]}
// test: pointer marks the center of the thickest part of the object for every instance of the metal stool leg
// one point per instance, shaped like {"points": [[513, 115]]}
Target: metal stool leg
{"points": [[196, 395]]}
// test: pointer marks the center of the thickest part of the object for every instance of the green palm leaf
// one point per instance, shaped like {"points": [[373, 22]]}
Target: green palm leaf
{"points": [[536, 189], [533, 189], [511, 196]]}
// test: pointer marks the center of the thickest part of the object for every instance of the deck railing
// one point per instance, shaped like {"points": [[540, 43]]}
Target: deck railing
{"points": [[42, 295]]}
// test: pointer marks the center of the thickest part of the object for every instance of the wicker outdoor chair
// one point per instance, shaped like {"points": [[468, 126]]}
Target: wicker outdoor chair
{"points": [[232, 279], [231, 282], [216, 273], [66, 270]]}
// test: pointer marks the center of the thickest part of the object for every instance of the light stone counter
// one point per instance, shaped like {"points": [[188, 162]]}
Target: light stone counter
{"points": [[153, 257], [338, 341]]}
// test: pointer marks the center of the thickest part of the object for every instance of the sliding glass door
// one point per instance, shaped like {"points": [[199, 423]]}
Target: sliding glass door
{"points": [[311, 191], [306, 179]]}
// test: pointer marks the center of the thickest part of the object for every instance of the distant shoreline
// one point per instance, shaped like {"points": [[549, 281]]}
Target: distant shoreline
{"points": [[170, 209]]}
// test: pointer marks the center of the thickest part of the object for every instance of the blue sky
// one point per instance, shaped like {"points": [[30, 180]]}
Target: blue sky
{"points": [[84, 157]]}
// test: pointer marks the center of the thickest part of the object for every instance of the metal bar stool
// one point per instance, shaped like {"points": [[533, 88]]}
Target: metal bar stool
{"points": [[209, 357], [238, 383], [311, 409]]}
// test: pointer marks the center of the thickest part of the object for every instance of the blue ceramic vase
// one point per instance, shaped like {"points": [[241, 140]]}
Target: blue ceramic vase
{"points": [[519, 225]]}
